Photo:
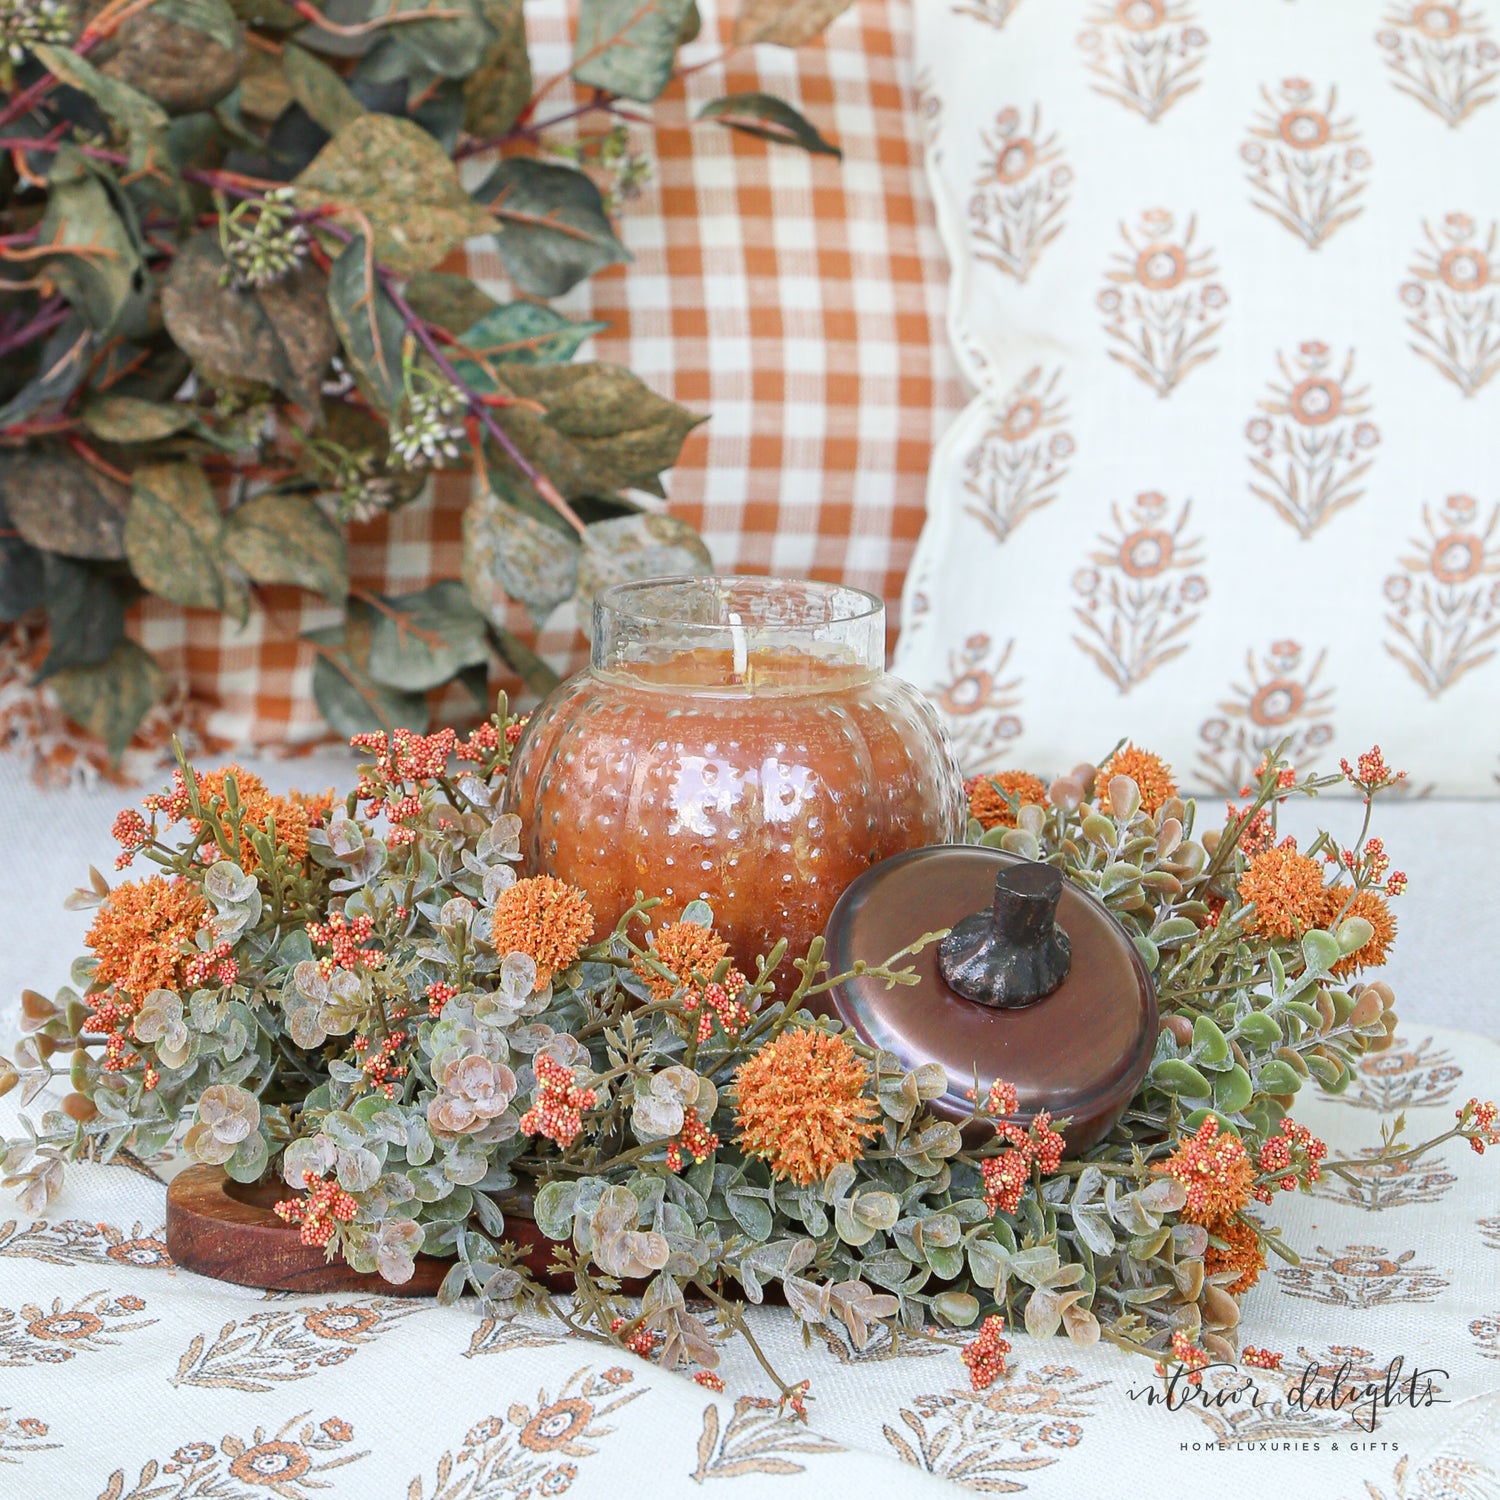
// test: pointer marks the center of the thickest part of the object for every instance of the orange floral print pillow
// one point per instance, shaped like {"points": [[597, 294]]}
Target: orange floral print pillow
{"points": [[1227, 281]]}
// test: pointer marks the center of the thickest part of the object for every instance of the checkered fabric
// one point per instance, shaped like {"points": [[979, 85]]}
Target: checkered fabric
{"points": [[798, 300]]}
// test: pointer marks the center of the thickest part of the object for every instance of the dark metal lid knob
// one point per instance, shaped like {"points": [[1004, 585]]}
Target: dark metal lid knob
{"points": [[1015, 953]]}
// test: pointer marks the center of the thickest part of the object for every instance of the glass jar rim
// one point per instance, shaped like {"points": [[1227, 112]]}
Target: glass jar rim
{"points": [[617, 598], [776, 633]]}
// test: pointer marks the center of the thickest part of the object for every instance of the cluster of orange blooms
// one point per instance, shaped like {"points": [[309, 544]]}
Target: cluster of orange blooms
{"points": [[995, 799]]}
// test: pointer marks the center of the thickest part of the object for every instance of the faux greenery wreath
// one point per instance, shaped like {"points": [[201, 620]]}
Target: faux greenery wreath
{"points": [[364, 997], [223, 333]]}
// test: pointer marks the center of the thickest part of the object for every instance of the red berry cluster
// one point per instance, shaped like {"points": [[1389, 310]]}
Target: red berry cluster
{"points": [[985, 1355], [1006, 1175], [1372, 773], [344, 937], [438, 994], [1260, 1359], [380, 1067], [1188, 1355], [1258, 834], [1482, 1118], [129, 829], [1293, 1155], [708, 1380], [326, 1206], [719, 1000], [214, 964], [174, 803], [643, 1341], [698, 1141], [557, 1112]]}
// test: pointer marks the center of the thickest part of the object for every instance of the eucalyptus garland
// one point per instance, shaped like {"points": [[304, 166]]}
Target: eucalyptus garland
{"points": [[224, 335], [365, 998]]}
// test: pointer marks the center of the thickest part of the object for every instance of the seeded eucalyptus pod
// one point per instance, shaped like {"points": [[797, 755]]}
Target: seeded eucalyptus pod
{"points": [[225, 334]]}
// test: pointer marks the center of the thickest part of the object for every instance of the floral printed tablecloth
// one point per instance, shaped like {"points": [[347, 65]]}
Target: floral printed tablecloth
{"points": [[125, 1378]]}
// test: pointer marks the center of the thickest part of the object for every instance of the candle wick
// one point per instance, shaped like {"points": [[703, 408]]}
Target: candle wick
{"points": [[741, 645]]}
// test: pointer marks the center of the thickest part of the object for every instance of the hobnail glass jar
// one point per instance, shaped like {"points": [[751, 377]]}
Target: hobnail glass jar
{"points": [[736, 740]]}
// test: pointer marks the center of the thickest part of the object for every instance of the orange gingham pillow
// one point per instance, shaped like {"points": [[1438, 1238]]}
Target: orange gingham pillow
{"points": [[797, 300]]}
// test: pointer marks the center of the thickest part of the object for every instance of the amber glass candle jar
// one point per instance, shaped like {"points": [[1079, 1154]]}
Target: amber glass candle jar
{"points": [[735, 740]]}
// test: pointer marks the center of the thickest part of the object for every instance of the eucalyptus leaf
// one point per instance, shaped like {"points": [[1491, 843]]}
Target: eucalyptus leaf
{"points": [[369, 327], [110, 699], [282, 538], [520, 333], [85, 614], [319, 90], [604, 430], [497, 90], [279, 335], [60, 504], [628, 48], [768, 119], [419, 641], [98, 260], [403, 183], [640, 546], [508, 555], [184, 54], [787, 23], [554, 230], [174, 538]]}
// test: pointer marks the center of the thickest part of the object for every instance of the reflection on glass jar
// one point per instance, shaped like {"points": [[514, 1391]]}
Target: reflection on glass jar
{"points": [[735, 740]]}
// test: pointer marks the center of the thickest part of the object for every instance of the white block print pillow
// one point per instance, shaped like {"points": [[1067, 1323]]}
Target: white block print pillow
{"points": [[1226, 278]]}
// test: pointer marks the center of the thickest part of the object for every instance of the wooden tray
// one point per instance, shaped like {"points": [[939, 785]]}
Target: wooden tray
{"points": [[229, 1230]]}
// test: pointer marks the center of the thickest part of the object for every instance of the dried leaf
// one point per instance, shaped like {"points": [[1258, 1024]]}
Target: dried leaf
{"points": [[508, 555], [786, 23], [279, 538], [279, 335], [768, 119], [643, 546], [369, 327], [554, 230], [59, 504], [85, 615], [110, 699], [604, 431], [174, 538], [497, 90], [395, 174], [319, 90], [626, 47], [184, 54]]}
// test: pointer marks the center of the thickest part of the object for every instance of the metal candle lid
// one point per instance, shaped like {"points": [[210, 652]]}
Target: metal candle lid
{"points": [[1036, 983]]}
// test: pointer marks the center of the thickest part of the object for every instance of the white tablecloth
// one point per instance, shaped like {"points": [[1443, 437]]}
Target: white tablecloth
{"points": [[125, 1378]]}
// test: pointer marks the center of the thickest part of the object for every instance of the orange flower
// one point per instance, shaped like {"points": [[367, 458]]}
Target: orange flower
{"points": [[1149, 772], [258, 808], [317, 805], [686, 949], [1243, 1255], [1215, 1170], [990, 807], [1377, 947], [546, 919], [802, 1105], [1288, 891], [140, 932]]}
